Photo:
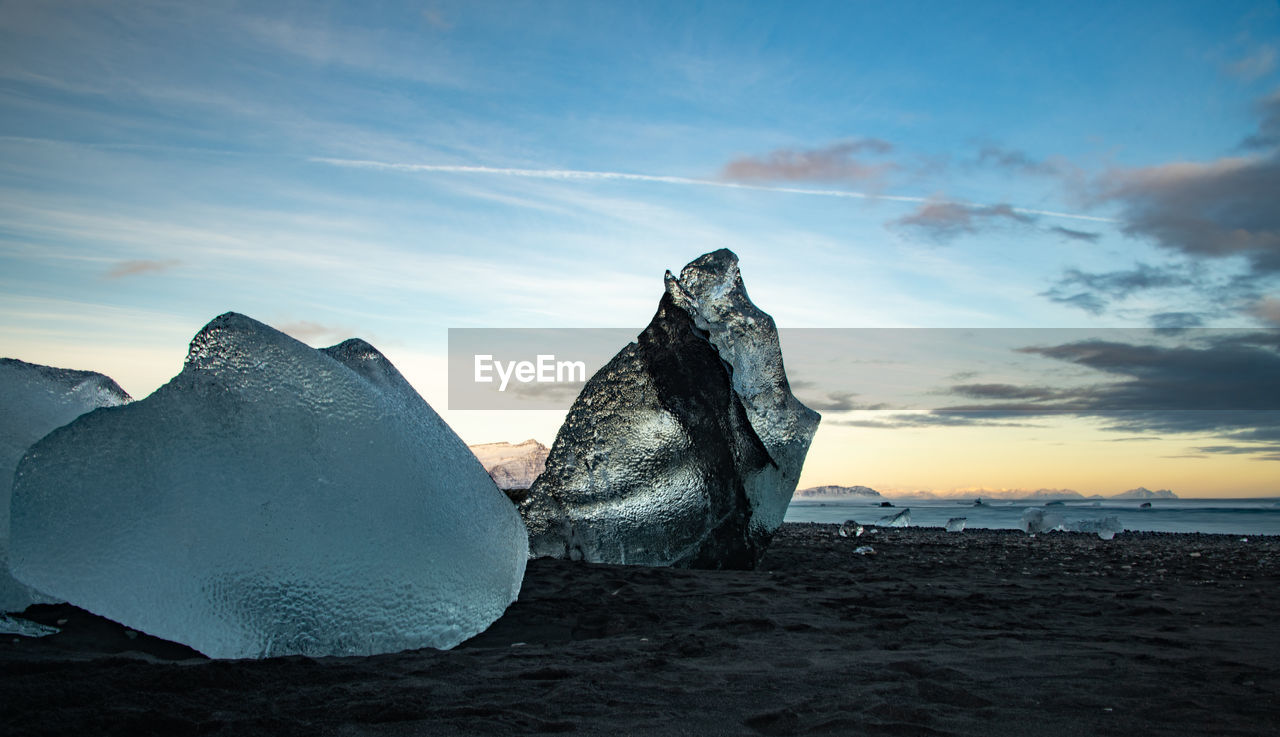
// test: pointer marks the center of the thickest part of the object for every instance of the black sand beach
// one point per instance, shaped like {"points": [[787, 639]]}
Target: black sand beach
{"points": [[975, 633]]}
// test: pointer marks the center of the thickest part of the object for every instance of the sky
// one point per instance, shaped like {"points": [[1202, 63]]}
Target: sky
{"points": [[393, 170]]}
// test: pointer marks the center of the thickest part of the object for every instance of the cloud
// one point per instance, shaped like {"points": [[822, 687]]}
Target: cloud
{"points": [[1213, 210], [1175, 322], [931, 419], [1091, 303], [134, 268], [436, 19], [1267, 310], [942, 221], [1117, 284], [1017, 161], [1228, 373], [314, 332], [1004, 392], [1268, 134], [571, 175], [1258, 64], [834, 163], [1261, 454], [1227, 385], [1078, 235], [835, 401]]}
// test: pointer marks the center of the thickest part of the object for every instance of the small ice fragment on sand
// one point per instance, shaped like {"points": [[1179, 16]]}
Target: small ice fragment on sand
{"points": [[26, 628], [865, 550], [850, 528], [956, 524], [901, 519]]}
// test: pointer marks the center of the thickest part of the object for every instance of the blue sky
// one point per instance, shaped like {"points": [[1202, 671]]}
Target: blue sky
{"points": [[390, 170]]}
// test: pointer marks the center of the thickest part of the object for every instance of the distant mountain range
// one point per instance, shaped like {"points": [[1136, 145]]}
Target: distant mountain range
{"points": [[512, 466], [836, 492], [1143, 492], [1044, 495]]}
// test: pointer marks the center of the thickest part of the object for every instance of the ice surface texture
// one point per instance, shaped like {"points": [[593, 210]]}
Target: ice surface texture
{"points": [[271, 499], [684, 449], [35, 400]]}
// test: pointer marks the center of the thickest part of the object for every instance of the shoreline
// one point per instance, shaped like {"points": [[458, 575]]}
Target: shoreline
{"points": [[982, 632]]}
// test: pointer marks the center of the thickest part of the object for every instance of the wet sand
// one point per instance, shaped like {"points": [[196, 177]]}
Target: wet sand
{"points": [[973, 633]]}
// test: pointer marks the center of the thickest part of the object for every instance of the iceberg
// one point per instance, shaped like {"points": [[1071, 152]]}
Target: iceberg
{"points": [[35, 400], [901, 519], [684, 450], [271, 499], [956, 524]]}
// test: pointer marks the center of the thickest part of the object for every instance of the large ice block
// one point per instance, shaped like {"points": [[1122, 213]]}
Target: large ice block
{"points": [[710, 288], [271, 499], [34, 400], [684, 449]]}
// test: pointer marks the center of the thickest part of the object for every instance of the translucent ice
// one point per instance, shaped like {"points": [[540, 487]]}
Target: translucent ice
{"points": [[35, 400], [956, 524], [710, 288], [865, 550], [1037, 519], [271, 499], [684, 449], [26, 628], [901, 519], [1105, 527], [850, 528]]}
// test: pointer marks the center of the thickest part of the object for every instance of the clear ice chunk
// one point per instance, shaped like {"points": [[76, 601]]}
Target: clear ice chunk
{"points": [[864, 550], [684, 450], [1036, 519], [25, 627], [35, 400], [850, 528], [956, 524], [1104, 527], [271, 499], [710, 288], [901, 519]]}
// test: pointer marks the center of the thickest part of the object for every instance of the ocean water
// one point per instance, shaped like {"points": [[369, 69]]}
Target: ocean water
{"points": [[1224, 516]]}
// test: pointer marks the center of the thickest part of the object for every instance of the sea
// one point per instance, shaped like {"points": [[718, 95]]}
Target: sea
{"points": [[1256, 516]]}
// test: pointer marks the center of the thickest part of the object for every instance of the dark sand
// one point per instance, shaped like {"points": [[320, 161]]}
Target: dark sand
{"points": [[976, 633]]}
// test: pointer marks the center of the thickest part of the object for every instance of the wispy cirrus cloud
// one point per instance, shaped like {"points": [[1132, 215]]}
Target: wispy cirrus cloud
{"points": [[1075, 235], [1259, 63], [838, 162], [141, 266], [1019, 161], [943, 221], [588, 175]]}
